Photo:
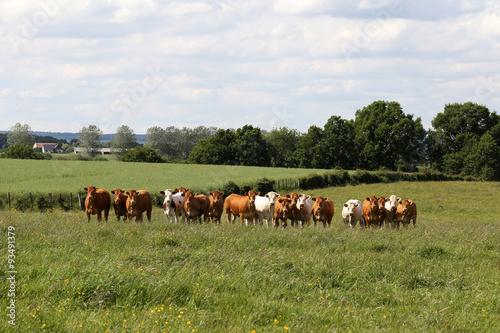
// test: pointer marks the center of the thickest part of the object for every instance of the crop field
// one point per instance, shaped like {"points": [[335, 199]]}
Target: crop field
{"points": [[442, 276], [23, 176]]}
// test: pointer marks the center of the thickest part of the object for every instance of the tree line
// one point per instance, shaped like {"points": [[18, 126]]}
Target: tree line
{"points": [[465, 140]]}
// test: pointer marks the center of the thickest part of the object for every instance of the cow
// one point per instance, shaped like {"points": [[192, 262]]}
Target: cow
{"points": [[352, 213], [371, 211], [120, 201], [196, 205], [173, 205], [406, 211], [295, 198], [240, 205], [283, 210], [323, 210], [391, 205], [381, 211], [264, 207], [303, 210], [216, 206], [97, 200], [137, 203]]}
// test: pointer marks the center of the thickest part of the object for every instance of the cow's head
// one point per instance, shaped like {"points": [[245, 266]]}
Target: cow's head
{"points": [[118, 196], [132, 197], [91, 191], [373, 203], [217, 196], [272, 196], [284, 206], [251, 196], [181, 189], [405, 204], [350, 207], [189, 196], [392, 203], [301, 201]]}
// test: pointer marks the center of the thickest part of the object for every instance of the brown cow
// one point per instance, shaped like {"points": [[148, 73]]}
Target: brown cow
{"points": [[97, 200], [120, 201], [382, 212], [137, 203], [196, 205], [295, 211], [322, 210], [216, 206], [406, 211], [283, 210], [242, 206], [371, 211]]}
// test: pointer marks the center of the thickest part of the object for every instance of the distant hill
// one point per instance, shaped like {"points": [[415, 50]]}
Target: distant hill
{"points": [[141, 138]]}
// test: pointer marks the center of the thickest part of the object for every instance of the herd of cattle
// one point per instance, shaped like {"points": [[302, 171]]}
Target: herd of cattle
{"points": [[252, 207]]}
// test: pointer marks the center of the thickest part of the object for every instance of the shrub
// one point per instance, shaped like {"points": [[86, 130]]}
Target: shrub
{"points": [[230, 188], [142, 154], [265, 185], [22, 152]]}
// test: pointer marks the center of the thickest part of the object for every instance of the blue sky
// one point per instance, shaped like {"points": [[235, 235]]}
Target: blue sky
{"points": [[226, 63]]}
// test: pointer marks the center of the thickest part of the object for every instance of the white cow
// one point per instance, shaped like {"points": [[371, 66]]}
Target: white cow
{"points": [[173, 205], [391, 205], [264, 206], [352, 213], [303, 210]]}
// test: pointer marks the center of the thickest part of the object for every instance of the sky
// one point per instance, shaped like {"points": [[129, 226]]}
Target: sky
{"points": [[65, 65]]}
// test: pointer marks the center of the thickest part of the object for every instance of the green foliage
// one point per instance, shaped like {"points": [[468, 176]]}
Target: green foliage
{"points": [[281, 144], [219, 149], [230, 188], [23, 152], [20, 135], [142, 154], [123, 140], [90, 139], [251, 149]]}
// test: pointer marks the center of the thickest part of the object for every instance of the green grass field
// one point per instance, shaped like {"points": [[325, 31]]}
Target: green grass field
{"points": [[23, 176], [442, 276]]}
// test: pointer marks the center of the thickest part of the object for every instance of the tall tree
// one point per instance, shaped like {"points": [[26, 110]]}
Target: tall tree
{"points": [[388, 138], [251, 147], [310, 151], [457, 137], [219, 149], [281, 143], [339, 144], [123, 140], [90, 139], [20, 135]]}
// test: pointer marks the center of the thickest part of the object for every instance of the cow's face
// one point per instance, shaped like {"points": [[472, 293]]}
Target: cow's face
{"points": [[118, 196], [251, 196], [189, 197], [373, 203], [301, 201], [392, 203], [91, 190], [132, 197], [284, 206], [405, 204], [217, 196], [168, 197], [351, 206], [319, 205], [272, 196]]}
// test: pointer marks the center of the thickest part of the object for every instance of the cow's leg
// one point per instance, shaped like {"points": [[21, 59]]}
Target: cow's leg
{"points": [[106, 215], [88, 216], [149, 215], [99, 216]]}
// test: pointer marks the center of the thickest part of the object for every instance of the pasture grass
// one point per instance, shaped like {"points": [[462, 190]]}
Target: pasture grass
{"points": [[60, 176], [442, 276]]}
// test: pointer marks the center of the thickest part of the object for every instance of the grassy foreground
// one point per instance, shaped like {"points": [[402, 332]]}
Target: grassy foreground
{"points": [[74, 276]]}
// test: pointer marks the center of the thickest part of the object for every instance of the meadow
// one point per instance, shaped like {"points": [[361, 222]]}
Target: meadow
{"points": [[442, 276], [24, 176]]}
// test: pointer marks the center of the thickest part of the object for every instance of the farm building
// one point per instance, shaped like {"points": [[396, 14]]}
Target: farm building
{"points": [[104, 151], [48, 147]]}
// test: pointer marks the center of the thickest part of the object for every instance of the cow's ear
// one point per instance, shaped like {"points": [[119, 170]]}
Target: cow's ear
{"points": [[113, 192], [398, 199], [246, 193], [183, 195], [221, 194], [211, 193], [367, 199], [85, 189], [387, 199], [356, 205], [175, 191], [288, 196], [345, 205], [258, 193], [127, 193], [313, 199], [267, 195], [400, 202], [162, 192], [308, 197]]}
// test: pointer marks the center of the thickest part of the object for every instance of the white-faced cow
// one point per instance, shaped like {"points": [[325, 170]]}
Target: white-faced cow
{"points": [[173, 205], [264, 207], [303, 210], [391, 205], [352, 213]]}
